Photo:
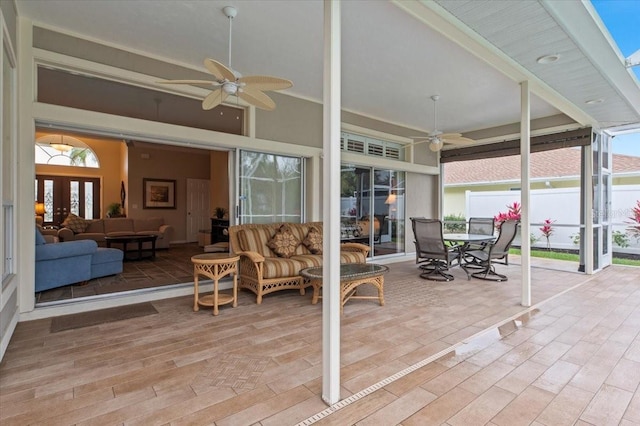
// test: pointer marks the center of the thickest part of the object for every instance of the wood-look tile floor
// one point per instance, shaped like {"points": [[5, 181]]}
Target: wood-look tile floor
{"points": [[572, 360]]}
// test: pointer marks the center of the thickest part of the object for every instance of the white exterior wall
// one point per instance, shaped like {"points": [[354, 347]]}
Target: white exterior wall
{"points": [[561, 205]]}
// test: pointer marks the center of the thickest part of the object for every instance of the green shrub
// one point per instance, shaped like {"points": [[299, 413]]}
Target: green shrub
{"points": [[455, 223]]}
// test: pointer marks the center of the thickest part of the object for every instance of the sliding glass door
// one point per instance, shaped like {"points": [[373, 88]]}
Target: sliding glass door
{"points": [[372, 208], [270, 188]]}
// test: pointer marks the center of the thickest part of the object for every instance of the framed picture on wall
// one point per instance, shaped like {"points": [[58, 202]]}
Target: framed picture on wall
{"points": [[158, 193]]}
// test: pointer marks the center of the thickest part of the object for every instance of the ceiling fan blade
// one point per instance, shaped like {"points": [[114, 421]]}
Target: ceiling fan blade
{"points": [[220, 71], [265, 82], [418, 141], [189, 82], [257, 98], [456, 139], [214, 99]]}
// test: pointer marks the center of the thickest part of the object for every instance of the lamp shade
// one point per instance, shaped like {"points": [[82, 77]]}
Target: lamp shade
{"points": [[391, 199], [40, 209]]}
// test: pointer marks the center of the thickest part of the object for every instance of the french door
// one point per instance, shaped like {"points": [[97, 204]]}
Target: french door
{"points": [[62, 195], [602, 182]]}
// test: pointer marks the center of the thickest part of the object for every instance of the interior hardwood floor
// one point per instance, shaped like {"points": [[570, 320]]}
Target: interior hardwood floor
{"points": [[474, 354]]}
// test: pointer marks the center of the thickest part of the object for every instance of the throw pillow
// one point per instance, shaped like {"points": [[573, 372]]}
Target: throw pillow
{"points": [[313, 240], [75, 223], [284, 243]]}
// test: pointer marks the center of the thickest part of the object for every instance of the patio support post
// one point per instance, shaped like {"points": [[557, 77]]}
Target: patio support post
{"points": [[588, 244], [331, 205], [525, 190]]}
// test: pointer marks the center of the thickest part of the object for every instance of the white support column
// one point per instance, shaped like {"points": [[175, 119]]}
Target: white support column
{"points": [[525, 191], [331, 205], [589, 248]]}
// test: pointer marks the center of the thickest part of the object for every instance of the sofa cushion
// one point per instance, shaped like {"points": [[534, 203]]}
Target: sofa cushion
{"points": [[277, 267], [95, 226], [352, 257], [313, 240], [118, 226], [39, 237], [75, 223], [308, 260], [149, 224], [255, 239], [284, 243]]}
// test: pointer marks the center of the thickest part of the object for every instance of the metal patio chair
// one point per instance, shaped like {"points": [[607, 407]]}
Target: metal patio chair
{"points": [[433, 256], [493, 251]]}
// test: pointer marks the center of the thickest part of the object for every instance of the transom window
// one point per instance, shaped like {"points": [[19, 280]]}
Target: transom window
{"points": [[63, 150]]}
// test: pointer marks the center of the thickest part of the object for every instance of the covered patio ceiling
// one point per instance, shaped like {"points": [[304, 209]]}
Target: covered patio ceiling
{"points": [[395, 55]]}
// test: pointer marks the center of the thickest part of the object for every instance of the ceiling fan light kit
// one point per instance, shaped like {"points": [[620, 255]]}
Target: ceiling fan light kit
{"points": [[230, 82], [436, 138]]}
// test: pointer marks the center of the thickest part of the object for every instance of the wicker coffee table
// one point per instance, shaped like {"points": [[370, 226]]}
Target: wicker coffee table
{"points": [[351, 276]]}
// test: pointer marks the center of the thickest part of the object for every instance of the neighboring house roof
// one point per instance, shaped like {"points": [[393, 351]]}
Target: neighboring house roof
{"points": [[561, 163]]}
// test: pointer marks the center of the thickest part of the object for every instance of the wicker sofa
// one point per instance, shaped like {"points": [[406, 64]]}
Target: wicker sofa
{"points": [[263, 271], [97, 229]]}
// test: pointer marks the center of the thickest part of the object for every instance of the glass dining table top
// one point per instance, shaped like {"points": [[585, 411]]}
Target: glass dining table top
{"points": [[468, 238]]}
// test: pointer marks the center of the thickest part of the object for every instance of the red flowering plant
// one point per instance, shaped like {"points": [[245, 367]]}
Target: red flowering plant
{"points": [[634, 229], [513, 213], [547, 231]]}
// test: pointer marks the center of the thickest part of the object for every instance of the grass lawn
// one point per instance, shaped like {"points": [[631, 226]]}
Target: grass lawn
{"points": [[573, 257]]}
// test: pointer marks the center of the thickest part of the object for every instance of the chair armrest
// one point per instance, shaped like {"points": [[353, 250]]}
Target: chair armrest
{"points": [[253, 256], [355, 247], [66, 234], [165, 229], [67, 249]]}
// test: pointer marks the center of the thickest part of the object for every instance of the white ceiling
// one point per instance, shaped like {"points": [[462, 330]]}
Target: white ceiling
{"points": [[392, 62]]}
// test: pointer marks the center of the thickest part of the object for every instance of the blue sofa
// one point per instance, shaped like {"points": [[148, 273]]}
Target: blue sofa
{"points": [[60, 264]]}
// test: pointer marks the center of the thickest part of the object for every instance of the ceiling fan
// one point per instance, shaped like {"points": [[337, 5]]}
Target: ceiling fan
{"points": [[436, 138], [230, 82]]}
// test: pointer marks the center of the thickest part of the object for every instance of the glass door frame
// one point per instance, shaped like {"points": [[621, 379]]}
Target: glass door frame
{"points": [[241, 199], [372, 209]]}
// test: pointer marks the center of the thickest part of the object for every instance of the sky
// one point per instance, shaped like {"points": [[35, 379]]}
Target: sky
{"points": [[622, 18]]}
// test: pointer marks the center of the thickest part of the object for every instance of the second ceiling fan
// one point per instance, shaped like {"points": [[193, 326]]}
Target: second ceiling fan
{"points": [[230, 82], [436, 138]]}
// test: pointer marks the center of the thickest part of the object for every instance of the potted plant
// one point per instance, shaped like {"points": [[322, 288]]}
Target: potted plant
{"points": [[220, 212], [114, 210]]}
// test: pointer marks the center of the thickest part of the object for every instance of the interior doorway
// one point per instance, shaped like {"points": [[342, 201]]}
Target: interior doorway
{"points": [[198, 202]]}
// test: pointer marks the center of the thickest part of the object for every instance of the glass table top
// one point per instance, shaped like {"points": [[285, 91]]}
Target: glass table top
{"points": [[348, 271]]}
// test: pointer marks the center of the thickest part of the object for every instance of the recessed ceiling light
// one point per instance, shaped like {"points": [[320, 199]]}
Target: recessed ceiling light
{"points": [[594, 101], [548, 59]]}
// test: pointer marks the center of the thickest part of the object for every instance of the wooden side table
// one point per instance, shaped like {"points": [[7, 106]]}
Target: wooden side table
{"points": [[215, 266]]}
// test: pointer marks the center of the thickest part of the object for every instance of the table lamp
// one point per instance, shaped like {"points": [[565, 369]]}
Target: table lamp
{"points": [[39, 207]]}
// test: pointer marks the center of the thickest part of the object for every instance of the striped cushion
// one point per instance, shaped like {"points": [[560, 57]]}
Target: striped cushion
{"points": [[300, 231], [308, 260], [352, 257], [277, 267], [255, 239]]}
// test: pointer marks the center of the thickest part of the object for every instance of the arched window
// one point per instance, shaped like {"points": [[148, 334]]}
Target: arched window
{"points": [[63, 150]]}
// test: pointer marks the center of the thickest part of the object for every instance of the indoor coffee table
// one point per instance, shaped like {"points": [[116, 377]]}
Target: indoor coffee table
{"points": [[215, 266], [136, 239], [351, 276]]}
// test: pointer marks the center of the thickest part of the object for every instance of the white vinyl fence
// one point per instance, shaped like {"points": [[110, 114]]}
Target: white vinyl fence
{"points": [[561, 205]]}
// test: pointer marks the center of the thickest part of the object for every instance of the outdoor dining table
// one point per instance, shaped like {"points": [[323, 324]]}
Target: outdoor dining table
{"points": [[465, 240]]}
